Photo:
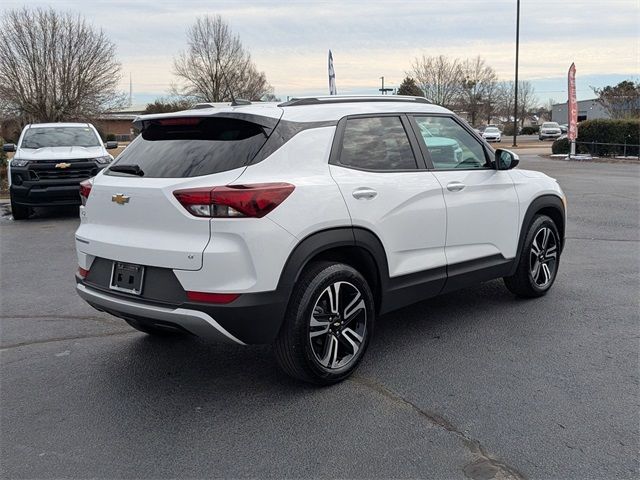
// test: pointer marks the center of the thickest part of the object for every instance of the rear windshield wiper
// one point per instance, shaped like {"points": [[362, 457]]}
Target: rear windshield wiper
{"points": [[130, 169]]}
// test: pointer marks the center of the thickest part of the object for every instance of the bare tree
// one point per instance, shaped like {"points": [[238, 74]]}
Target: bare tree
{"points": [[216, 67], [506, 100], [55, 67], [491, 100], [478, 82], [438, 77], [527, 101]]}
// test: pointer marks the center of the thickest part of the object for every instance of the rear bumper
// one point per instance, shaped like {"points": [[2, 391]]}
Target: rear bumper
{"points": [[253, 318], [193, 321]]}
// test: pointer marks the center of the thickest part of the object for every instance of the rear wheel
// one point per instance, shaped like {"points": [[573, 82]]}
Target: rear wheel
{"points": [[328, 324], [19, 212], [539, 260], [154, 330]]}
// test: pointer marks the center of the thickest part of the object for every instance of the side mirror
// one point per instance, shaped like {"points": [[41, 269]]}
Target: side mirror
{"points": [[506, 159], [111, 145], [9, 147]]}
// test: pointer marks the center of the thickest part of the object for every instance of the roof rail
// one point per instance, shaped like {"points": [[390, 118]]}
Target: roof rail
{"points": [[327, 100], [239, 101]]}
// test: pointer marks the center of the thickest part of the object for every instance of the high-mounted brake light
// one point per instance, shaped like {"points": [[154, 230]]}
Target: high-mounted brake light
{"points": [[233, 201], [85, 190], [179, 121]]}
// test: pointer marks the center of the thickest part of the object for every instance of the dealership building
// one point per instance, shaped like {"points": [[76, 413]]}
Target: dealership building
{"points": [[587, 110]]}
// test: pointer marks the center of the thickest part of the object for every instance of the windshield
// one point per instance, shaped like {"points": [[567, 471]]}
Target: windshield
{"points": [[492, 130], [550, 125], [41, 137]]}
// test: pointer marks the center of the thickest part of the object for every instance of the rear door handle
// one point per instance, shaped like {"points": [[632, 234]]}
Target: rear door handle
{"points": [[455, 186], [364, 193]]}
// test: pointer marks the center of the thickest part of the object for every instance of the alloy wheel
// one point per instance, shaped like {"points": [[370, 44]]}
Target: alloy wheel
{"points": [[543, 257], [338, 325]]}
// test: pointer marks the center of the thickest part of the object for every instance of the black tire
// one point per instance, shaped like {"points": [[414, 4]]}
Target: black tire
{"points": [[529, 281], [299, 343], [19, 212], [153, 330]]}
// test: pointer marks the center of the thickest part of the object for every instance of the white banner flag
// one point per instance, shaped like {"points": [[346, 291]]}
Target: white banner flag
{"points": [[332, 76]]}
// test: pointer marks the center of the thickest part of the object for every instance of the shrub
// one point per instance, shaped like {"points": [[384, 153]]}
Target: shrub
{"points": [[111, 137], [532, 130], [508, 129], [594, 132], [561, 145]]}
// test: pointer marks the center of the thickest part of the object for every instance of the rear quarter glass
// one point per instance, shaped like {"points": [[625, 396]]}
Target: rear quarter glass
{"points": [[193, 147]]}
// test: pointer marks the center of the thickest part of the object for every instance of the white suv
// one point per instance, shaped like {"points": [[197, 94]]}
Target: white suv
{"points": [[298, 224]]}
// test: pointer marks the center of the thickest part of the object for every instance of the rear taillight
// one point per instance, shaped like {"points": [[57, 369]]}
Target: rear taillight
{"points": [[82, 273], [85, 190], [207, 297], [233, 201]]}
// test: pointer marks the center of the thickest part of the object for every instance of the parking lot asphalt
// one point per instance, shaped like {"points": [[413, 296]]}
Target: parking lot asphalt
{"points": [[474, 384]]}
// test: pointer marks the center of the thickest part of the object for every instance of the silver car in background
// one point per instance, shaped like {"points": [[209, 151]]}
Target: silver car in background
{"points": [[549, 130]]}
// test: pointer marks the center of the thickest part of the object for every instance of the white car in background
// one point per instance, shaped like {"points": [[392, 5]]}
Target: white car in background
{"points": [[550, 130], [492, 134]]}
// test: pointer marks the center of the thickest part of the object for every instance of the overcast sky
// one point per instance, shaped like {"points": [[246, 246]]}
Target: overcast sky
{"points": [[289, 39]]}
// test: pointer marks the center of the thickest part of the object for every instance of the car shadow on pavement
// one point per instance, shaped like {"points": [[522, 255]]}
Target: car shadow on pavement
{"points": [[192, 367], [48, 213]]}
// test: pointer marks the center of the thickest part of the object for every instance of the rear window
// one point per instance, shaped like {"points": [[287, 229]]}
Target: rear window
{"points": [[41, 137], [191, 147], [376, 143]]}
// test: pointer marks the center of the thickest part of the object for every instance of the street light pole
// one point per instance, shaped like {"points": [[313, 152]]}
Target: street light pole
{"points": [[515, 108]]}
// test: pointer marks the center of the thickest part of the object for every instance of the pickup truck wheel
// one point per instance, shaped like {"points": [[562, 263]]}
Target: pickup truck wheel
{"points": [[328, 324], [19, 212], [539, 260]]}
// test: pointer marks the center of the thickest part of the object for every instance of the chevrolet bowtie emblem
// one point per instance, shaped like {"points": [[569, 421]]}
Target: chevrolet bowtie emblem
{"points": [[120, 199], [63, 165]]}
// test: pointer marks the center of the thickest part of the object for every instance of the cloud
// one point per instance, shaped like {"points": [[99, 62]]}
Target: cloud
{"points": [[289, 39]]}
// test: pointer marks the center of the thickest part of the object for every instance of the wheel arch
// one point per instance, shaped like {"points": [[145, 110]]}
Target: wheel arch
{"points": [[357, 247], [549, 205]]}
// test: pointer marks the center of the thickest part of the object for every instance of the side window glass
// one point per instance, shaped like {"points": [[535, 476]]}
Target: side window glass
{"points": [[450, 145], [378, 143]]}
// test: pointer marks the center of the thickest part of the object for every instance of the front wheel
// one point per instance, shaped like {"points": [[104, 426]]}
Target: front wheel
{"points": [[539, 260], [328, 324]]}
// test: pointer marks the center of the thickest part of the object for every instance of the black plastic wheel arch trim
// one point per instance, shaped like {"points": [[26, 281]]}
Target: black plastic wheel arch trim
{"points": [[535, 207]]}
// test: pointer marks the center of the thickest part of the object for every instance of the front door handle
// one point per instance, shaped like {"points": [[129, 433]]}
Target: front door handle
{"points": [[455, 186], [364, 193]]}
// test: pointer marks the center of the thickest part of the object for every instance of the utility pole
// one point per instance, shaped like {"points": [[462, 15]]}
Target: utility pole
{"points": [[515, 108], [130, 90]]}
